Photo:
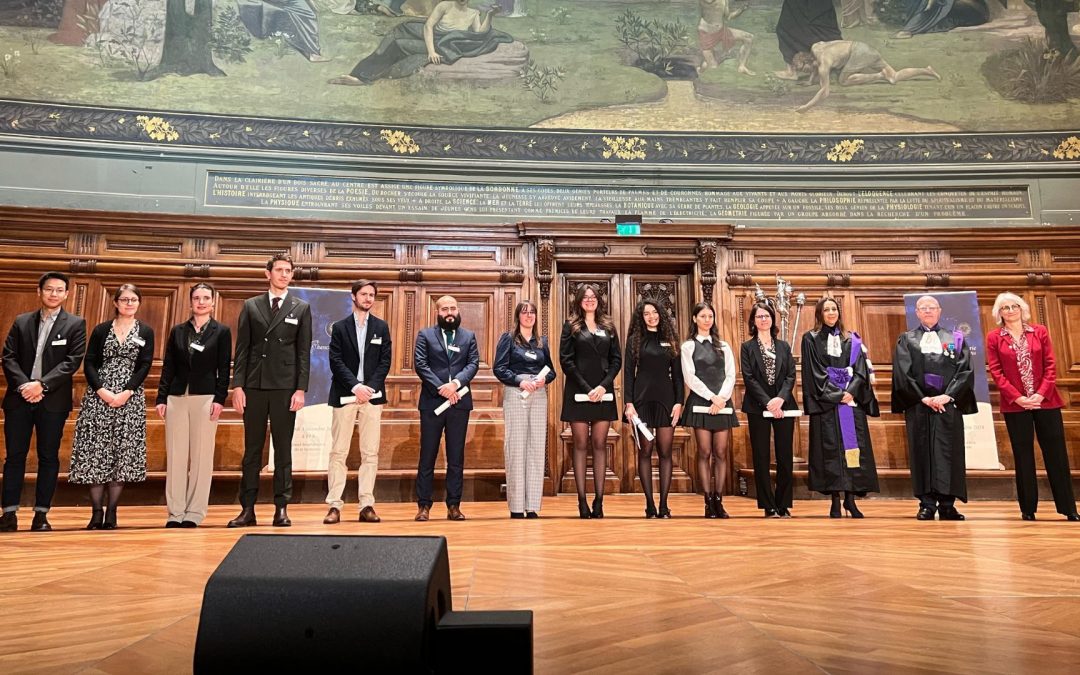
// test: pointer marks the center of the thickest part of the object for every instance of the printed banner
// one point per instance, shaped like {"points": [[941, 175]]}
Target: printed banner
{"points": [[960, 310]]}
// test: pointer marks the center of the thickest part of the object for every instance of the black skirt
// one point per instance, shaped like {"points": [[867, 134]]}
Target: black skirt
{"points": [[705, 421]]}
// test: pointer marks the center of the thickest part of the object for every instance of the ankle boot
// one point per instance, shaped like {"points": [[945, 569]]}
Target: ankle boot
{"points": [[710, 512], [718, 506], [598, 506], [97, 516], [834, 510], [583, 509], [849, 506]]}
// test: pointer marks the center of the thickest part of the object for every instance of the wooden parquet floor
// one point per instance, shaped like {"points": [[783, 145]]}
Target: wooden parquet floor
{"points": [[886, 594]]}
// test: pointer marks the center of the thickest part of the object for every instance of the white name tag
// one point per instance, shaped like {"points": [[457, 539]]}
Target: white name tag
{"points": [[291, 320], [198, 347], [530, 355], [59, 343], [453, 348], [138, 340], [665, 344], [600, 332], [376, 340]]}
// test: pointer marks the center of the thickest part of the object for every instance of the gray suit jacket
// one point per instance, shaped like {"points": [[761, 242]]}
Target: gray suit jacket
{"points": [[273, 351]]}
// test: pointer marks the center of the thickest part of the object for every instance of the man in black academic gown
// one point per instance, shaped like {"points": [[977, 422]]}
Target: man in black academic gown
{"points": [[932, 386]]}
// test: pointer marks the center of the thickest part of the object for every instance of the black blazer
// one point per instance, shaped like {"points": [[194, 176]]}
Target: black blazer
{"points": [[64, 351], [758, 391], [436, 366], [196, 372], [273, 351], [95, 355], [345, 358]]}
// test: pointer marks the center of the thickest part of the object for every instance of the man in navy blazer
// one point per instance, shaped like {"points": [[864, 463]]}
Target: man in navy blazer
{"points": [[362, 382], [446, 359], [42, 352]]}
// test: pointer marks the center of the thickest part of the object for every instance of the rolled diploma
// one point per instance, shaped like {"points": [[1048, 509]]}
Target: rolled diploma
{"points": [[539, 378], [446, 406]]}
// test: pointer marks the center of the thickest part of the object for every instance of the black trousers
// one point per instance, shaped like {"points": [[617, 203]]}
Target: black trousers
{"points": [[933, 500], [455, 424], [20, 423], [264, 405], [1047, 424], [782, 430]]}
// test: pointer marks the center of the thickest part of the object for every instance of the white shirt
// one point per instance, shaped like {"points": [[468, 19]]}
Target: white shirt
{"points": [[690, 373]]}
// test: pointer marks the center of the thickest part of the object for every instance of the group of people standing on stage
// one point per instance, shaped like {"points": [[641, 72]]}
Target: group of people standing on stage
{"points": [[270, 357]]}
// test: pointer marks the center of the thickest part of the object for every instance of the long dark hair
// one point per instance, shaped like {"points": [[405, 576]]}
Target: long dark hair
{"points": [[577, 315], [518, 337], [819, 321], [665, 331], [713, 332], [752, 319]]}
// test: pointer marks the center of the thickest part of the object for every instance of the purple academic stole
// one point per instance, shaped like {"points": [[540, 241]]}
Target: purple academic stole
{"points": [[841, 377]]}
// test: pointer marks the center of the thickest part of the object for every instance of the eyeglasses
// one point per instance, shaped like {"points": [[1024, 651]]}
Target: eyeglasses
{"points": [[926, 308], [762, 317], [128, 301], [54, 291], [1010, 308], [529, 312]]}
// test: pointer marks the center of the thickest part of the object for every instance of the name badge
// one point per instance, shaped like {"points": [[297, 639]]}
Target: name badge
{"points": [[59, 343], [198, 347], [453, 348], [138, 340], [600, 332], [376, 340], [291, 320], [665, 344], [530, 355]]}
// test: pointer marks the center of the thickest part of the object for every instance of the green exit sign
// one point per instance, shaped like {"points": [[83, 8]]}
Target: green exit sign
{"points": [[628, 229]]}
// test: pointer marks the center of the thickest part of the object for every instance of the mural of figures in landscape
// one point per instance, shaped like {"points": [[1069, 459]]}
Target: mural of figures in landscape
{"points": [[677, 65]]}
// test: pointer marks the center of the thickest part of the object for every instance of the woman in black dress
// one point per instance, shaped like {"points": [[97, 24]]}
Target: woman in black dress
{"points": [[652, 378], [768, 371], [709, 368], [590, 357], [109, 448], [838, 397]]}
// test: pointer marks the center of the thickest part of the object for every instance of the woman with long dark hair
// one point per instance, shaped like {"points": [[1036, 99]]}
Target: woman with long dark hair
{"points": [[109, 448], [523, 364], [191, 395], [709, 369], [768, 371], [653, 382], [590, 357], [838, 397]]}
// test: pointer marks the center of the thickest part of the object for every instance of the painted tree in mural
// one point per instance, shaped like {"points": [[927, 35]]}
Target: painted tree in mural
{"points": [[187, 49]]}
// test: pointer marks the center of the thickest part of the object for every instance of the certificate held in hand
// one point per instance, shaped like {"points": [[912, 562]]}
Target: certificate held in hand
{"points": [[704, 410], [584, 398], [446, 406]]}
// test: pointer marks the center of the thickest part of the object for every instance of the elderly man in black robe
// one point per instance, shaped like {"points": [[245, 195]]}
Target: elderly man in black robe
{"points": [[932, 386]]}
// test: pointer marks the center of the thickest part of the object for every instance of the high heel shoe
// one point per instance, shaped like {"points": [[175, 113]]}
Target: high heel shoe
{"points": [[718, 506], [710, 512], [598, 507], [583, 509], [664, 512], [849, 506], [834, 511], [110, 520], [650, 511], [96, 517]]}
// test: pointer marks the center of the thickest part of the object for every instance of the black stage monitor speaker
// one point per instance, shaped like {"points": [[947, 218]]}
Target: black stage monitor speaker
{"points": [[485, 642], [296, 603]]}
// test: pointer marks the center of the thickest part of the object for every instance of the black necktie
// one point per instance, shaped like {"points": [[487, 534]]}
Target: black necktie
{"points": [[275, 305]]}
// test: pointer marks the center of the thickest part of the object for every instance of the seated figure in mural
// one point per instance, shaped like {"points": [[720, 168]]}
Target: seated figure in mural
{"points": [[296, 21], [718, 40], [857, 63], [938, 16], [453, 31], [391, 8]]}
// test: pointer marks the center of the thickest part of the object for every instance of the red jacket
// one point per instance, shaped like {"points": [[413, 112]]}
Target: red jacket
{"points": [[1001, 357]]}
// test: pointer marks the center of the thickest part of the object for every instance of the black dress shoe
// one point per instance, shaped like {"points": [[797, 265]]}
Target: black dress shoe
{"points": [[770, 513], [245, 519], [281, 517], [583, 509], [950, 513], [515, 514], [598, 507], [1027, 516], [783, 513], [532, 514], [188, 524], [925, 513], [663, 512], [97, 516], [41, 523], [170, 524], [1074, 516], [9, 522], [650, 511]]}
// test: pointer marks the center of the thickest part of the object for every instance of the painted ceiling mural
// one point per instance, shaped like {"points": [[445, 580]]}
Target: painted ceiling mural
{"points": [[632, 82]]}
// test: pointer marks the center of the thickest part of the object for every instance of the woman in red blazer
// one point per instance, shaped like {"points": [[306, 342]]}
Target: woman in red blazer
{"points": [[1021, 361]]}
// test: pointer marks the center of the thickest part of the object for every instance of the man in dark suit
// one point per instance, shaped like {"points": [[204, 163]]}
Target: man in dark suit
{"points": [[446, 360], [363, 382], [270, 371], [42, 352]]}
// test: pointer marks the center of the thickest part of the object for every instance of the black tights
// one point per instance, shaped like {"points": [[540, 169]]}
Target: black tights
{"points": [[579, 431], [97, 495], [662, 443], [712, 445]]}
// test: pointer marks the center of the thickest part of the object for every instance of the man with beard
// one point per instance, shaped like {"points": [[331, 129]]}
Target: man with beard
{"points": [[932, 386], [446, 360], [359, 364]]}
